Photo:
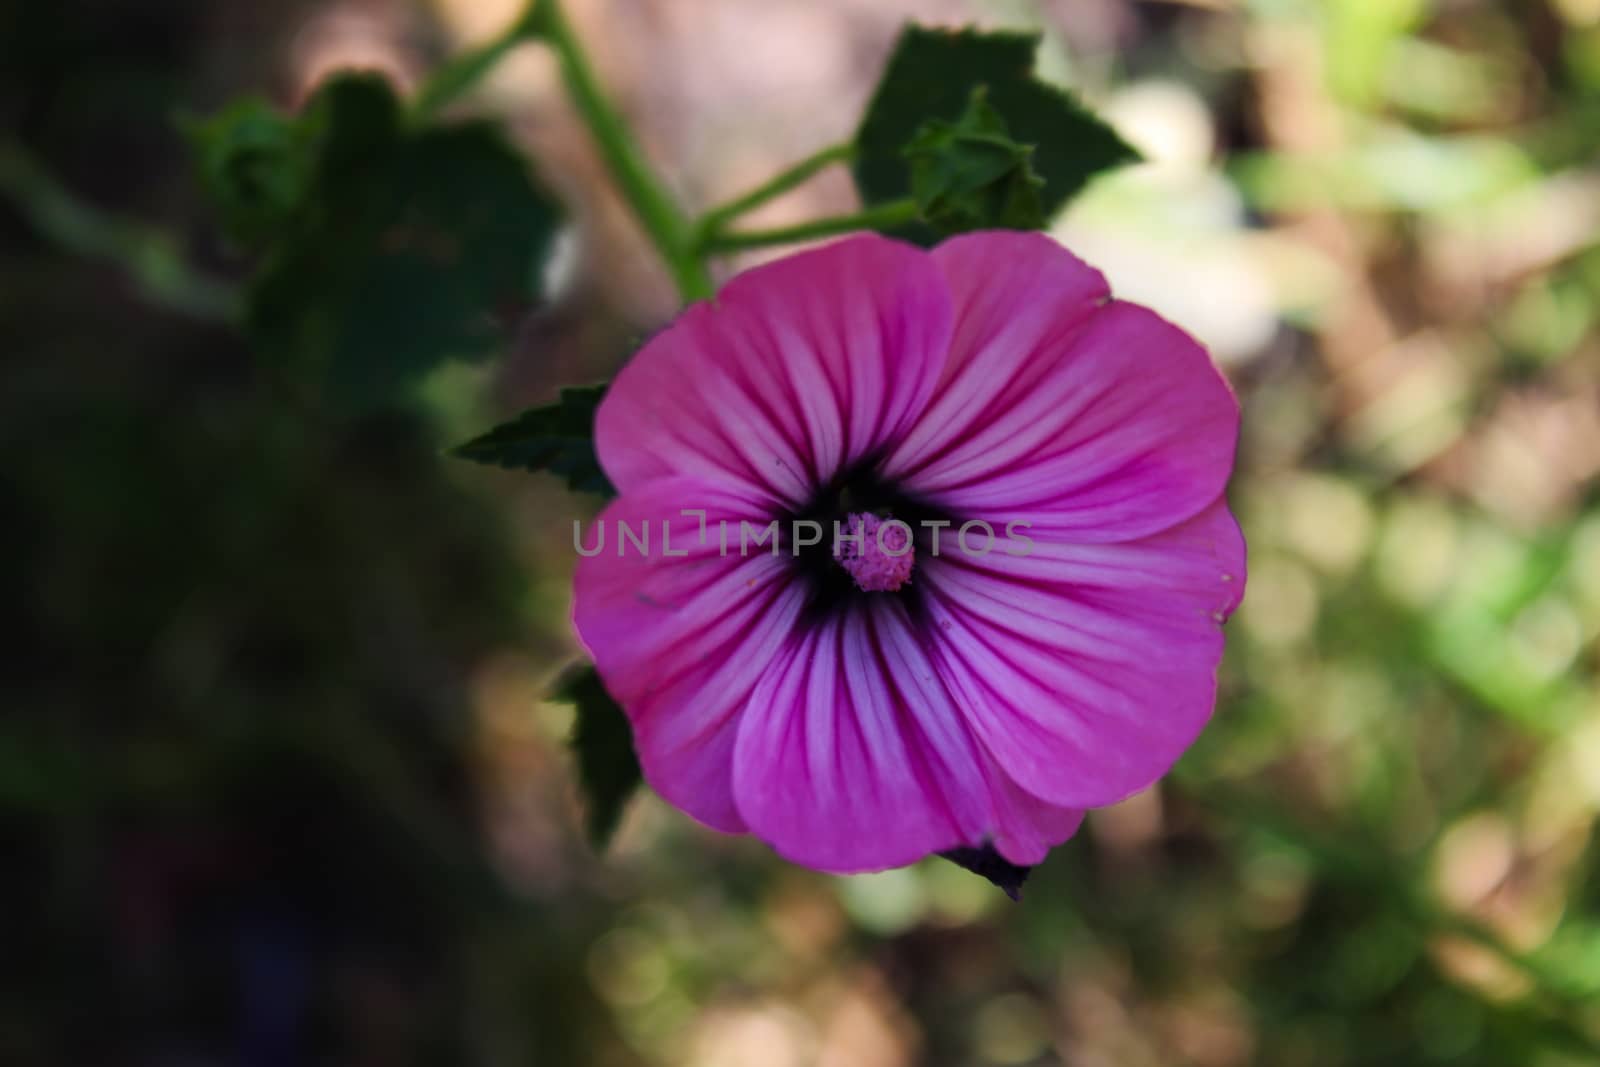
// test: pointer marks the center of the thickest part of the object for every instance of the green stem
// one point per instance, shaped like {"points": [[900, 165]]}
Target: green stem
{"points": [[883, 216], [717, 218], [461, 72], [662, 220], [145, 254]]}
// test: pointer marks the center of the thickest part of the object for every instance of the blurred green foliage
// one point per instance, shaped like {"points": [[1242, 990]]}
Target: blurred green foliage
{"points": [[255, 164], [391, 249]]}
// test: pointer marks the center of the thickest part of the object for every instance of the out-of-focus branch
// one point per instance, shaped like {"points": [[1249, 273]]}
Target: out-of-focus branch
{"points": [[147, 255]]}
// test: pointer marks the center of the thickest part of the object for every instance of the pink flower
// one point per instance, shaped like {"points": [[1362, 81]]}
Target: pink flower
{"points": [[861, 704]]}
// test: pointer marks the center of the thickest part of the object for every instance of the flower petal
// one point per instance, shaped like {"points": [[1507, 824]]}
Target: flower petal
{"points": [[1101, 416], [680, 641], [852, 756], [797, 369], [1087, 669], [1026, 828]]}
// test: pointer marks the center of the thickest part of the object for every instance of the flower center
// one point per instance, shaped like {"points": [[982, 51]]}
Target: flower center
{"points": [[876, 552]]}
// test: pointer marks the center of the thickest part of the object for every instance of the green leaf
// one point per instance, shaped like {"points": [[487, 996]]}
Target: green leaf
{"points": [[254, 163], [558, 438], [602, 740], [970, 175], [404, 247], [932, 75]]}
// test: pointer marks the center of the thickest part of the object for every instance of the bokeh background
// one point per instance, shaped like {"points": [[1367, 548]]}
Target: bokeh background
{"points": [[278, 784]]}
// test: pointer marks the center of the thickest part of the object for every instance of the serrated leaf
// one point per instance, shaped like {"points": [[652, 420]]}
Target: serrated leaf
{"points": [[986, 861], [602, 741], [932, 75], [558, 438], [405, 245]]}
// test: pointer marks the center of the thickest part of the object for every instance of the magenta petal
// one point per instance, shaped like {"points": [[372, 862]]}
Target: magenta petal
{"points": [[991, 698], [1097, 417], [1027, 828], [798, 368], [852, 757], [1086, 670], [822, 770], [680, 642], [1019, 300]]}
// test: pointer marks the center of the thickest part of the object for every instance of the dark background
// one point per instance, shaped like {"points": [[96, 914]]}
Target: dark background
{"points": [[277, 782]]}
